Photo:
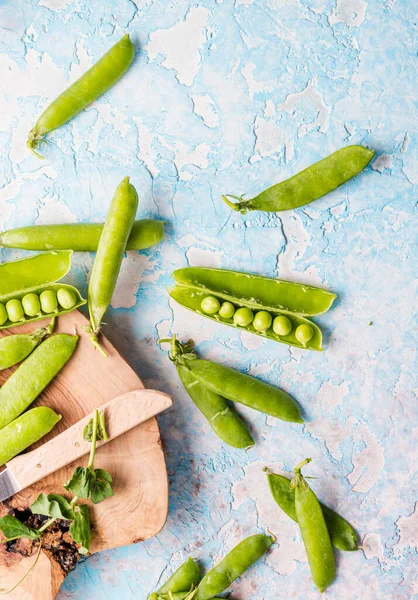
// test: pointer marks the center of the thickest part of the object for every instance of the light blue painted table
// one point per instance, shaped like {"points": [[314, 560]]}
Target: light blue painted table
{"points": [[231, 97]]}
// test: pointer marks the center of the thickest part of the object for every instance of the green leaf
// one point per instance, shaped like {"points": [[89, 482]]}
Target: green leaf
{"points": [[81, 482], [101, 488], [80, 529], [101, 433], [53, 505], [12, 528]]}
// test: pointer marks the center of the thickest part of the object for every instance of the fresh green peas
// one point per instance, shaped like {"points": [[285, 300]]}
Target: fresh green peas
{"points": [[304, 334], [314, 531], [31, 305], [262, 321], [282, 325], [66, 298], [210, 305], [49, 302], [15, 310], [95, 82], [3, 314], [25, 431], [233, 566], [184, 579], [243, 317], [227, 310]]}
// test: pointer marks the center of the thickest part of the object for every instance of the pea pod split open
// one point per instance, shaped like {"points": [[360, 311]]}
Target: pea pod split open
{"points": [[276, 299], [310, 184], [23, 287]]}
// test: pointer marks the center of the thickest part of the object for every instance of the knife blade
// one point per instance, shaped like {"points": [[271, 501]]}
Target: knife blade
{"points": [[121, 414]]}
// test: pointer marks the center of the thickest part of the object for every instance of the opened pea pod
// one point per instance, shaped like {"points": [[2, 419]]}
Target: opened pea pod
{"points": [[310, 184], [28, 291], [275, 309]]}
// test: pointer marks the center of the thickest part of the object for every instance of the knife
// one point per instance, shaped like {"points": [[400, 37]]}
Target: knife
{"points": [[121, 414]]}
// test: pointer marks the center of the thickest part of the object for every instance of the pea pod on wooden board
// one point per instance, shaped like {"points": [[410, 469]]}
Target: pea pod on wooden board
{"points": [[15, 348], [241, 558], [314, 531], [109, 256], [192, 297], [23, 283], [182, 580], [310, 184], [220, 415], [343, 535], [241, 388], [33, 375], [257, 292], [24, 431], [79, 237], [95, 82]]}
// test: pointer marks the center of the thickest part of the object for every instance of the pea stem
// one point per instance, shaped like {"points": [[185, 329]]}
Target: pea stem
{"points": [[298, 468], [102, 426], [94, 439], [46, 525], [233, 205]]}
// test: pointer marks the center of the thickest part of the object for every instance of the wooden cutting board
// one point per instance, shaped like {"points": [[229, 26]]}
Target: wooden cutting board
{"points": [[139, 507]]}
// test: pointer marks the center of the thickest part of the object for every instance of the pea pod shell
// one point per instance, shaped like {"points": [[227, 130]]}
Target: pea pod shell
{"points": [[183, 579], [257, 292], [25, 431], [33, 375], [224, 421], [80, 237], [343, 535], [95, 82], [315, 534], [233, 566], [15, 348], [110, 251], [310, 184], [191, 298]]}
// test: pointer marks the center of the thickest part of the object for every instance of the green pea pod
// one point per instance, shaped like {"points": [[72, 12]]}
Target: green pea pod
{"points": [[33, 375], [25, 431], [310, 184], [95, 82], [343, 535], [28, 278], [314, 531], [185, 578], [224, 421], [109, 255], [233, 566], [257, 292], [80, 237], [242, 388], [191, 298], [15, 348]]}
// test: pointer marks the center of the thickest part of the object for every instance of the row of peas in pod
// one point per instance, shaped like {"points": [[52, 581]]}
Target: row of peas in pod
{"points": [[33, 305], [273, 308]]}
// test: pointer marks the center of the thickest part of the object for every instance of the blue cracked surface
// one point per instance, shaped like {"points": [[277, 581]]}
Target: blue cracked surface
{"points": [[231, 97]]}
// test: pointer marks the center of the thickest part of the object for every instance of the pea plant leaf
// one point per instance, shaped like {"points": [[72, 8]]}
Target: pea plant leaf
{"points": [[81, 482], [101, 433], [53, 505], [101, 487], [12, 528], [80, 528]]}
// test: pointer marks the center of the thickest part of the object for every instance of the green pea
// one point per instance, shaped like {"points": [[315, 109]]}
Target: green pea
{"points": [[227, 310], [210, 305], [49, 303], [262, 321], [243, 317], [66, 298], [3, 314], [15, 311], [304, 334], [31, 305], [282, 325]]}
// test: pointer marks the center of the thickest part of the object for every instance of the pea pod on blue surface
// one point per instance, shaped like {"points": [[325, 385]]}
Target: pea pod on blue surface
{"points": [[343, 535], [182, 581], [310, 184], [28, 288]]}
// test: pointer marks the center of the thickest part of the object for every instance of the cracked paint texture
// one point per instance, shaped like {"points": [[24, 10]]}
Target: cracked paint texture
{"points": [[233, 96]]}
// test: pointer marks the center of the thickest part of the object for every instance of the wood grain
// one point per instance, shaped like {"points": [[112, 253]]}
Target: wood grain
{"points": [[138, 509]]}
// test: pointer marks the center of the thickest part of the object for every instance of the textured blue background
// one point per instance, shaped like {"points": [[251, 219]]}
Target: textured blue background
{"points": [[231, 96]]}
